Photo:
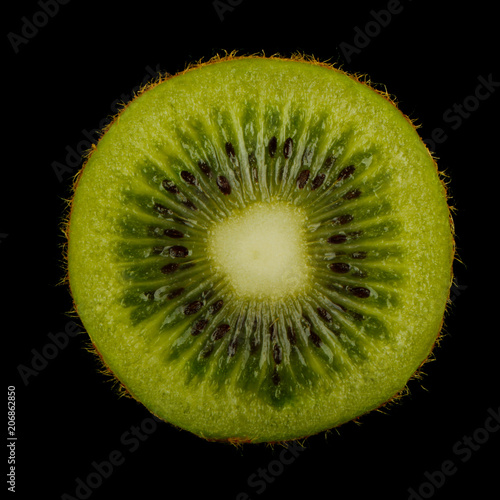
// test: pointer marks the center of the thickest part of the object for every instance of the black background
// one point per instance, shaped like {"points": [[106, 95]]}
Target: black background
{"points": [[65, 79]]}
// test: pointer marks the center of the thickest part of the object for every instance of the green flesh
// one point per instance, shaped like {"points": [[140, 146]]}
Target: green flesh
{"points": [[280, 308]]}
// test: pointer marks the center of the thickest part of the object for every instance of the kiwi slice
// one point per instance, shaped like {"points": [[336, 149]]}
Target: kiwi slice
{"points": [[261, 248]]}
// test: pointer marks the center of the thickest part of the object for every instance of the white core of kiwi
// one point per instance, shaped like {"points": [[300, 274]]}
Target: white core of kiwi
{"points": [[262, 251]]}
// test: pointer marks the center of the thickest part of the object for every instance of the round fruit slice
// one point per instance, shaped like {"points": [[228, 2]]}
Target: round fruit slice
{"points": [[260, 249]]}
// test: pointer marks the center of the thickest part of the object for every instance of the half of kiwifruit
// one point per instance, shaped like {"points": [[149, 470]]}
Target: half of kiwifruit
{"points": [[261, 248]]}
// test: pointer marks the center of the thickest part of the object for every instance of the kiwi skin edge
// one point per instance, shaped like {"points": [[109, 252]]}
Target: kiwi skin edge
{"points": [[122, 389]]}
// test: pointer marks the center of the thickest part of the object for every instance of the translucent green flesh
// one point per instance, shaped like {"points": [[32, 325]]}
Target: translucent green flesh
{"points": [[367, 237]]}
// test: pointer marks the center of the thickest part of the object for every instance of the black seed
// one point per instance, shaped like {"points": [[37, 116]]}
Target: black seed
{"points": [[178, 251], [342, 219], [205, 169], [288, 148], [292, 338], [277, 354], [175, 293], [207, 350], [162, 210], [173, 233], [220, 331], [199, 326], [188, 177], [170, 268], [232, 347], [329, 162], [302, 178], [273, 144], [216, 306], [315, 339], [187, 265], [230, 151], [157, 250], [190, 204], [169, 186], [353, 194], [276, 378], [223, 184], [359, 291], [346, 172], [358, 255], [337, 238], [340, 267], [193, 308], [318, 181], [149, 295], [323, 313]]}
